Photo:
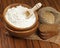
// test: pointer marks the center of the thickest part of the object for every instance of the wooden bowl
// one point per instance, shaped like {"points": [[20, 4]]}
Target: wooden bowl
{"points": [[25, 33], [13, 27]]}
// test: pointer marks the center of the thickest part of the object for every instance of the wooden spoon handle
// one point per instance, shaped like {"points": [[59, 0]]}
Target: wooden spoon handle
{"points": [[37, 6]]}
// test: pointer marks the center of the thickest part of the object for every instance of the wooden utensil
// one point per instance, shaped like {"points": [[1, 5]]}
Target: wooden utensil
{"points": [[29, 12]]}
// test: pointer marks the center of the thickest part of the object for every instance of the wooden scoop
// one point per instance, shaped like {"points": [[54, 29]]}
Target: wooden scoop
{"points": [[29, 12]]}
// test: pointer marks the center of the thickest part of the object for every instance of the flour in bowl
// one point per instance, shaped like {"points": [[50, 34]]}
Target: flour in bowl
{"points": [[16, 17]]}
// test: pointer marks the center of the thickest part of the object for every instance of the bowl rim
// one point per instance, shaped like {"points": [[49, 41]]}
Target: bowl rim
{"points": [[24, 31], [14, 27]]}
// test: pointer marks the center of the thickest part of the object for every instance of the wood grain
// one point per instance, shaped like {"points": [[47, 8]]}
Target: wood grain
{"points": [[7, 41]]}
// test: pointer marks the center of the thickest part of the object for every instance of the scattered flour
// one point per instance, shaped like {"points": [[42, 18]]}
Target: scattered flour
{"points": [[16, 17]]}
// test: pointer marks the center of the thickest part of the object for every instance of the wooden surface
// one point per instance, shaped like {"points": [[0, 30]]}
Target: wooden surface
{"points": [[11, 42]]}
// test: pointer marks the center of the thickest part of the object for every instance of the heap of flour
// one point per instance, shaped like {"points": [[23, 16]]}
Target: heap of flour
{"points": [[16, 17]]}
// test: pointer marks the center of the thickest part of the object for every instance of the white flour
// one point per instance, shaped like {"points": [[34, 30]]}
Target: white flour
{"points": [[16, 17]]}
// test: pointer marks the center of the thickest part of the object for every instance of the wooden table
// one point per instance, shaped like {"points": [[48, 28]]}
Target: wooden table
{"points": [[11, 42]]}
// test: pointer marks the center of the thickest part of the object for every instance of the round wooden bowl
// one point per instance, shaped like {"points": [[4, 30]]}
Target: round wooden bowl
{"points": [[25, 33], [13, 27]]}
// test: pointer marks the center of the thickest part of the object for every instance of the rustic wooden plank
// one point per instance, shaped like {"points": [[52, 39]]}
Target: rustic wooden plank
{"points": [[48, 45], [18, 1], [52, 4], [0, 38], [54, 45], [8, 2], [11, 42], [0, 6], [42, 44], [4, 38], [46, 2], [0, 43], [35, 44], [56, 4], [17, 43], [20, 43], [23, 43], [13, 1], [29, 44], [32, 3], [28, 2], [4, 4]]}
